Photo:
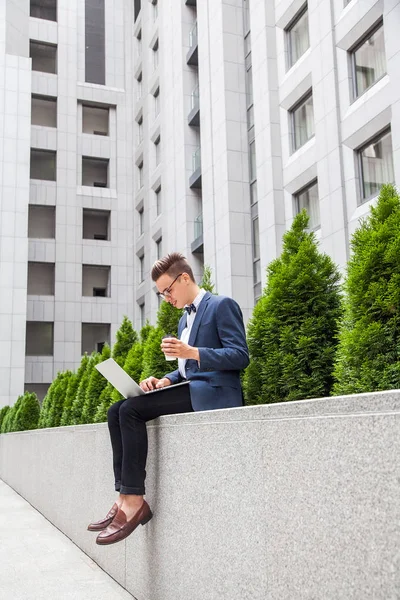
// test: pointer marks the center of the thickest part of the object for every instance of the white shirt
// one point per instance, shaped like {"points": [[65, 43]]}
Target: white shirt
{"points": [[186, 332]]}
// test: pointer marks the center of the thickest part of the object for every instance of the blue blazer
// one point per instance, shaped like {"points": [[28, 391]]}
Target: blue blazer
{"points": [[218, 333]]}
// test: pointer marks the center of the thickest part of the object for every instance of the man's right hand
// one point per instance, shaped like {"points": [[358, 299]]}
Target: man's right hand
{"points": [[152, 383]]}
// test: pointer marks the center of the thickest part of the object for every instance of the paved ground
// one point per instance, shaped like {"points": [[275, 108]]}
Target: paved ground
{"points": [[38, 562]]}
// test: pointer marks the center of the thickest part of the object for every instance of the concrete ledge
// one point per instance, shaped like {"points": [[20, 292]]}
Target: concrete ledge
{"points": [[280, 502]]}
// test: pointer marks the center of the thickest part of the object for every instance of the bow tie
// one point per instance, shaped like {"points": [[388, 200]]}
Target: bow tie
{"points": [[190, 308]]}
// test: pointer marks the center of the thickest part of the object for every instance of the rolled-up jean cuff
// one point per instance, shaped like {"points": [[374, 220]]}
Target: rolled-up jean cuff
{"points": [[131, 490], [117, 487]]}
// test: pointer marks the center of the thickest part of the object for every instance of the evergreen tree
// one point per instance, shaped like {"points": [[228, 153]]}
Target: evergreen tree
{"points": [[79, 400], [7, 421], [206, 282], [58, 397], [27, 415], [96, 385], [293, 330], [368, 357], [126, 337], [47, 403], [3, 413], [73, 385]]}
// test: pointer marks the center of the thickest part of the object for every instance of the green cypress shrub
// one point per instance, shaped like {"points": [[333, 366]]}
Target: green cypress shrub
{"points": [[7, 420], [47, 403], [368, 357], [126, 337], [3, 413], [95, 387], [58, 397], [206, 282], [73, 386], [27, 415], [292, 335], [79, 400], [12, 414]]}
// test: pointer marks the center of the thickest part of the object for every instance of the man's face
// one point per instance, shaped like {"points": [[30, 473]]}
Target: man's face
{"points": [[174, 289]]}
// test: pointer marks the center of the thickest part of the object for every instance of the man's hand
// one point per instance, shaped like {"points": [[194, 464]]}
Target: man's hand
{"points": [[177, 349], [152, 383]]}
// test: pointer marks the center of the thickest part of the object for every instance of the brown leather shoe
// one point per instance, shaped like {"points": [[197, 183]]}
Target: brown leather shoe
{"points": [[100, 525], [120, 528]]}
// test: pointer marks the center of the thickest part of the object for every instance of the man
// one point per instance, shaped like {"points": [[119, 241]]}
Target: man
{"points": [[211, 351]]}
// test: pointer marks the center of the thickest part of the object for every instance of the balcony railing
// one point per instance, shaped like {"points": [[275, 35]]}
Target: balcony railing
{"points": [[195, 98], [196, 160], [198, 226], [193, 36]]}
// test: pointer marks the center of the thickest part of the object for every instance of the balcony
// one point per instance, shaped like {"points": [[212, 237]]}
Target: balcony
{"points": [[195, 178], [194, 114], [197, 246], [192, 55]]}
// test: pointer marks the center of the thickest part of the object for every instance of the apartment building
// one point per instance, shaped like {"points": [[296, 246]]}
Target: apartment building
{"points": [[131, 128]]}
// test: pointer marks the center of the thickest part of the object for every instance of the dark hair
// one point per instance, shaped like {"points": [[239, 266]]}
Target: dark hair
{"points": [[172, 265]]}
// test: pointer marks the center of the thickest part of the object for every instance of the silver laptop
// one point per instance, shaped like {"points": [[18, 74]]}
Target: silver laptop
{"points": [[122, 381]]}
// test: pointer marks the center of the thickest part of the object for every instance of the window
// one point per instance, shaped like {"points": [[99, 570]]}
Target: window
{"points": [[249, 93], [42, 222], [159, 248], [369, 61], [95, 120], [44, 111], [253, 166], [158, 201], [302, 122], [140, 175], [140, 130], [157, 148], [95, 280], [96, 224], [157, 102], [308, 198], [95, 172], [256, 251], [139, 42], [41, 278], [155, 55], [376, 164], [141, 268], [297, 37], [44, 9], [155, 9], [142, 314], [141, 221], [138, 6], [94, 336], [95, 48], [39, 338], [44, 57], [246, 16], [139, 79], [43, 165]]}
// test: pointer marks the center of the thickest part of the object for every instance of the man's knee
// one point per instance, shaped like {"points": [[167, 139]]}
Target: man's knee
{"points": [[131, 408], [113, 412]]}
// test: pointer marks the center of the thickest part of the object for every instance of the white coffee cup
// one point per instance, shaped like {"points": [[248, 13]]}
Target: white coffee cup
{"points": [[166, 356]]}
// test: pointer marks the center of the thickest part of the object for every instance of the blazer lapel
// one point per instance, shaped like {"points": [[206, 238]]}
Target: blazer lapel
{"points": [[199, 315]]}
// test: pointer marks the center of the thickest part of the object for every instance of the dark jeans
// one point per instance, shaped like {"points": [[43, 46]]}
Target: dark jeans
{"points": [[127, 425]]}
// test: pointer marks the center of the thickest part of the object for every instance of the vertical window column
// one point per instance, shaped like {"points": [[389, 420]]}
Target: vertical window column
{"points": [[95, 50]]}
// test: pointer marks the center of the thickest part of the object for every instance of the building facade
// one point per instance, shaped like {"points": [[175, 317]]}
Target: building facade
{"points": [[131, 128]]}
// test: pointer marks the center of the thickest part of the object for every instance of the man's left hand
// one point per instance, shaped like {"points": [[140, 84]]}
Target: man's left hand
{"points": [[176, 348]]}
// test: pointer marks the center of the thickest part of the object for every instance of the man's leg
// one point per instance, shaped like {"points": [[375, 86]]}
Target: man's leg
{"points": [[116, 440], [133, 415]]}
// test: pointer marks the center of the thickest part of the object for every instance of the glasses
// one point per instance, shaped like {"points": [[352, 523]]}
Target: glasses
{"points": [[167, 291]]}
